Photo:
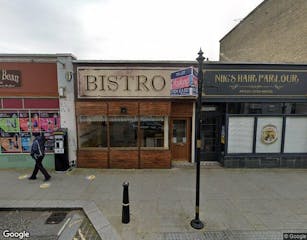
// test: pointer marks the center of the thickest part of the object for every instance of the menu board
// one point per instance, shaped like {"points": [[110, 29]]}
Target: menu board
{"points": [[9, 122]]}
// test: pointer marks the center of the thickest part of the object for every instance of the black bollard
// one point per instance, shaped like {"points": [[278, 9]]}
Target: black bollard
{"points": [[126, 209]]}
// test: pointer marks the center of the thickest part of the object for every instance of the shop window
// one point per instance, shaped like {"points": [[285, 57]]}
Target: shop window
{"points": [[152, 131], [269, 134], [17, 128], [92, 131], [123, 131], [296, 135], [240, 134]]}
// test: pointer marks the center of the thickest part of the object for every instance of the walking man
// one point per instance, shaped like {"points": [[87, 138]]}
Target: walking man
{"points": [[38, 154]]}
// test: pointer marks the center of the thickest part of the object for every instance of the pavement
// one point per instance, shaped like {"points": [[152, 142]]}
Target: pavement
{"points": [[162, 202]]}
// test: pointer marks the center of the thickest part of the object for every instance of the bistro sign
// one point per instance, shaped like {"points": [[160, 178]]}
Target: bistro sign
{"points": [[10, 78], [123, 82], [254, 82]]}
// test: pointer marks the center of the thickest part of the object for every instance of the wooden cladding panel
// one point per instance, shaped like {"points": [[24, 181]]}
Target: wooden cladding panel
{"points": [[160, 108], [93, 158], [131, 108], [156, 159], [182, 109], [91, 108], [124, 159]]}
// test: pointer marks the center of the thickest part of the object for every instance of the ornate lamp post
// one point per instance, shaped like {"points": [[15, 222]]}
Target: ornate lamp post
{"points": [[196, 222]]}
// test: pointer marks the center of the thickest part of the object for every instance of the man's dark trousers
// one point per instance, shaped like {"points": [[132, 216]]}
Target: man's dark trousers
{"points": [[39, 166]]}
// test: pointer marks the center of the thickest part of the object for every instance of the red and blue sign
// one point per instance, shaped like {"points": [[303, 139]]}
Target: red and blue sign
{"points": [[184, 82]]}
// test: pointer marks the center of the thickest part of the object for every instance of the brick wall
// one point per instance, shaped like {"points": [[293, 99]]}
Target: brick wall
{"points": [[276, 31]]}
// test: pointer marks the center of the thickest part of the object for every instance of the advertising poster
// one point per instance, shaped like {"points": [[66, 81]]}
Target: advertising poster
{"points": [[56, 121], [49, 144], [26, 142], [24, 121], [35, 123], [49, 121], [184, 82], [9, 122], [10, 143]]}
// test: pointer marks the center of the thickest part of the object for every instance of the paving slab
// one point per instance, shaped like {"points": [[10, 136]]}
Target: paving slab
{"points": [[163, 201]]}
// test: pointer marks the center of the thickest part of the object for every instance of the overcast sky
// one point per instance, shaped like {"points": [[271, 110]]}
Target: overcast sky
{"points": [[120, 29]]}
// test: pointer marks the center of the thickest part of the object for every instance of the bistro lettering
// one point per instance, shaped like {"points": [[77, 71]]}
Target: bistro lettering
{"points": [[124, 83]]}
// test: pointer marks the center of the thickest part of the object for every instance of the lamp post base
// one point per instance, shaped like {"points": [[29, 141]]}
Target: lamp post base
{"points": [[197, 224]]}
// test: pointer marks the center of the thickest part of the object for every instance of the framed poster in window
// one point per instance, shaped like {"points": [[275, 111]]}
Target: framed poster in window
{"points": [[10, 143], [35, 122], [24, 121], [49, 121], [26, 141], [9, 122]]}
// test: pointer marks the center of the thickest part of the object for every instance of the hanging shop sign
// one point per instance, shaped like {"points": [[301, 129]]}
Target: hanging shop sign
{"points": [[10, 78], [184, 82], [126, 82], [232, 81]]}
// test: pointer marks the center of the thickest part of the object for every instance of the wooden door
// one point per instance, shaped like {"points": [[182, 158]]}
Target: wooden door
{"points": [[181, 139]]}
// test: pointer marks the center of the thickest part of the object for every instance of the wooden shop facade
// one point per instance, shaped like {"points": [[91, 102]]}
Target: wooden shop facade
{"points": [[126, 117]]}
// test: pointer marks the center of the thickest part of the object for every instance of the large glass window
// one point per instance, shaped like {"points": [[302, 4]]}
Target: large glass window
{"points": [[296, 135], [152, 131], [92, 131], [17, 128], [240, 134], [123, 131]]}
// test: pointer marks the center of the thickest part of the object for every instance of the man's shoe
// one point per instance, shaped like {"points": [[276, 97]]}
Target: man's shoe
{"points": [[47, 178], [32, 178]]}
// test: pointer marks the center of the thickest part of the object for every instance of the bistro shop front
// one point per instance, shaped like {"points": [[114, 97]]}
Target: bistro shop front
{"points": [[126, 117], [255, 115]]}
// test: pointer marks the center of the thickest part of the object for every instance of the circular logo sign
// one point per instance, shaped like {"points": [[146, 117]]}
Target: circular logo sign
{"points": [[269, 134]]}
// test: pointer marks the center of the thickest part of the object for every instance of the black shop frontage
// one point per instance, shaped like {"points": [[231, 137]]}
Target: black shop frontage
{"points": [[254, 115]]}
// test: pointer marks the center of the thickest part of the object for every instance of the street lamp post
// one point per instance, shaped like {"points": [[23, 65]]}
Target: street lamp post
{"points": [[196, 222]]}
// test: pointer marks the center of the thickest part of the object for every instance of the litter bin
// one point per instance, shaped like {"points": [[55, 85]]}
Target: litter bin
{"points": [[61, 150]]}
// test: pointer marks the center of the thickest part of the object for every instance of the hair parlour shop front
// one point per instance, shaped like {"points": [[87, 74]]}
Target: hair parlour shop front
{"points": [[255, 115], [127, 118]]}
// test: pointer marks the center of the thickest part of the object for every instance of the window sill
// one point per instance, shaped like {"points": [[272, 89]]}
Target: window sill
{"points": [[154, 149]]}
